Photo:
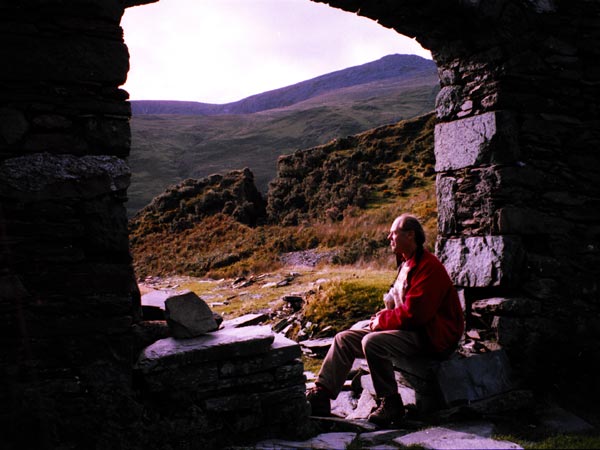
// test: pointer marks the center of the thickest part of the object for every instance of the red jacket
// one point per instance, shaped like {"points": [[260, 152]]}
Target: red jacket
{"points": [[430, 302]]}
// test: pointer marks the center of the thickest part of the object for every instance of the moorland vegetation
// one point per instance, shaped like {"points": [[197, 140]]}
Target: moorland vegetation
{"points": [[338, 198]]}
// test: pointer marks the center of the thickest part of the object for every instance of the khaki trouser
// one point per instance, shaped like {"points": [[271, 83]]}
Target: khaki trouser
{"points": [[378, 348]]}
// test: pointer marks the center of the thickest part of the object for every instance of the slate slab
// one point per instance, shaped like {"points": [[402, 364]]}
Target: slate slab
{"points": [[246, 320], [469, 437], [226, 343], [560, 420], [465, 380], [282, 351], [323, 441], [318, 347]]}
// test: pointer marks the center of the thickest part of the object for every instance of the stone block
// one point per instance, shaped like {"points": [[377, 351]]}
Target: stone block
{"points": [[183, 379], [446, 187], [246, 320], [188, 316], [13, 126], [482, 261], [529, 221], [222, 344], [419, 373], [84, 59], [466, 380], [487, 138], [282, 351], [512, 331], [43, 176], [318, 347], [501, 306], [252, 400]]}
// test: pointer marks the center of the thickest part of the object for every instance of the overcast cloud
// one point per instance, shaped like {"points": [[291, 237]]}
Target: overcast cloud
{"points": [[218, 51]]}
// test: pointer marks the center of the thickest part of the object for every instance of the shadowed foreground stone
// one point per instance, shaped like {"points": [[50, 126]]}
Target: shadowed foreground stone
{"points": [[478, 377], [238, 383]]}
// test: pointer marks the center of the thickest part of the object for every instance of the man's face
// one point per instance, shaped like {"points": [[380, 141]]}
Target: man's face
{"points": [[400, 240]]}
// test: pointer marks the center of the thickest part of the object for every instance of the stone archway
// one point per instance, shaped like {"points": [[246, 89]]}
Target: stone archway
{"points": [[519, 223]]}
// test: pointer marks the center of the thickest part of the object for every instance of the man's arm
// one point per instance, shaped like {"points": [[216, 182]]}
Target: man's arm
{"points": [[428, 287]]}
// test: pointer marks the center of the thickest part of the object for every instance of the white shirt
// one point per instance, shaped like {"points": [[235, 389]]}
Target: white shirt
{"points": [[395, 296]]}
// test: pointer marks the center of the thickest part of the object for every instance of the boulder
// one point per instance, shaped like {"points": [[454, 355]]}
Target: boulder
{"points": [[188, 316]]}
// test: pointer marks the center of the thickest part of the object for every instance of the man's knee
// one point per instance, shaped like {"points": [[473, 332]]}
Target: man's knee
{"points": [[341, 338], [370, 341]]}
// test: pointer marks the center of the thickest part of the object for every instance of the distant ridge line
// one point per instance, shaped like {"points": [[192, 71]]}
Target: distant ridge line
{"points": [[391, 66]]}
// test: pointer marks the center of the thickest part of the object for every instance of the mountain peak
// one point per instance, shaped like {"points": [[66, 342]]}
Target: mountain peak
{"points": [[388, 67]]}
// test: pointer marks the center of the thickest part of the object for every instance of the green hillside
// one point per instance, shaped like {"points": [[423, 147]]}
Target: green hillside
{"points": [[167, 149], [337, 199]]}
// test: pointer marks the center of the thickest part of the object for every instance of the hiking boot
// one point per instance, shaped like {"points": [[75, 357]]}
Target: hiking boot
{"points": [[319, 400], [390, 411]]}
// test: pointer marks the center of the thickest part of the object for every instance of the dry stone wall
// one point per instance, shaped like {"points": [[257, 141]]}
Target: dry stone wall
{"points": [[515, 159], [68, 295], [519, 216]]}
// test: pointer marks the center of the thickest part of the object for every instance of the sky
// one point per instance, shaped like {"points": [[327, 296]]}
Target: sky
{"points": [[219, 51]]}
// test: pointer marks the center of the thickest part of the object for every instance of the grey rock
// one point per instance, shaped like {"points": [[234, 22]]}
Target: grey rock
{"points": [[282, 350], [188, 316], [246, 320], [515, 306], [222, 344], [447, 101], [512, 332], [482, 261], [479, 376], [560, 420], [322, 441], [47, 176], [446, 187], [485, 138], [379, 437], [452, 437], [506, 402], [318, 347], [344, 405], [365, 405]]}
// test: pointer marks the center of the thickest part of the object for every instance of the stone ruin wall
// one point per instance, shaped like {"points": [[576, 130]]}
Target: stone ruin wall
{"points": [[68, 295], [517, 161]]}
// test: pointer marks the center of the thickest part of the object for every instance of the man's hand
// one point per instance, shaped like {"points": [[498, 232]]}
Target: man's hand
{"points": [[374, 323]]}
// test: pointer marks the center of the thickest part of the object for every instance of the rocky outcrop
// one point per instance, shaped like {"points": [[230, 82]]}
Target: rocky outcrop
{"points": [[184, 204], [323, 182]]}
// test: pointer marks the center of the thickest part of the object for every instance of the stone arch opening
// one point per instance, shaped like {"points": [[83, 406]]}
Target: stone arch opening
{"points": [[518, 223]]}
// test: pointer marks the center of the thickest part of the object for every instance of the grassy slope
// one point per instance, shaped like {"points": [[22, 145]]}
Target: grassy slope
{"points": [[218, 246], [168, 148]]}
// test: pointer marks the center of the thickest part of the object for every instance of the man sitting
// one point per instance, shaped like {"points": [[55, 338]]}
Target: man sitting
{"points": [[422, 317]]}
